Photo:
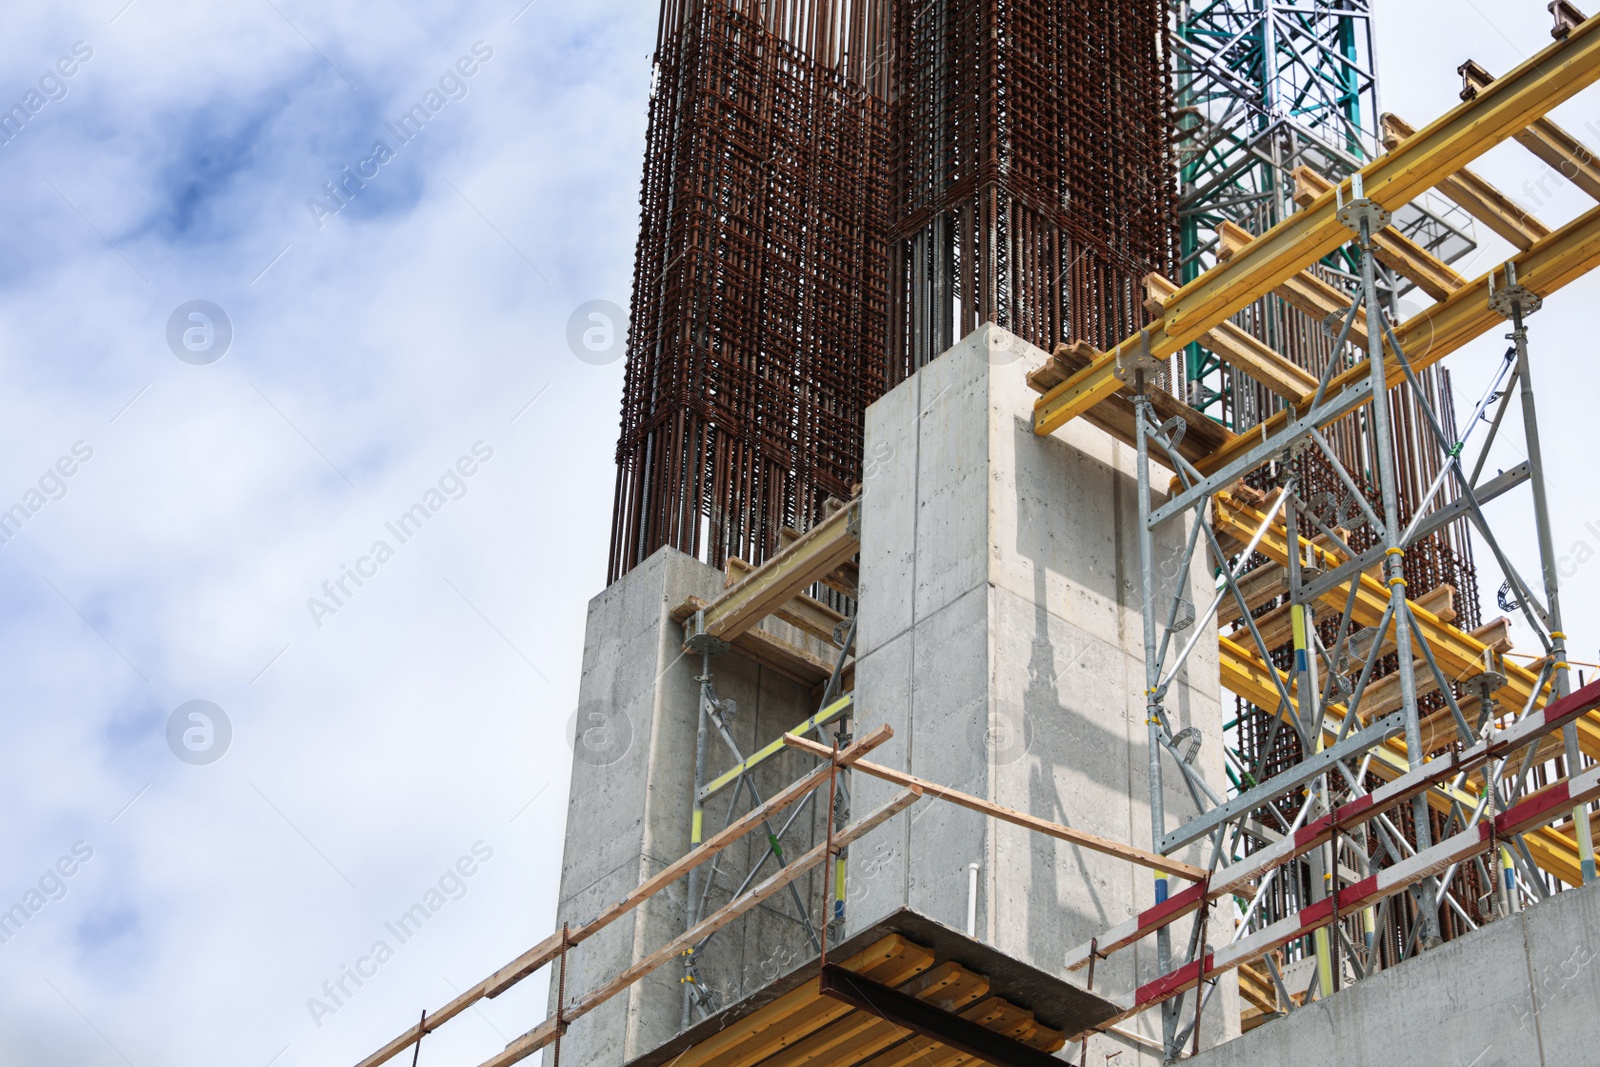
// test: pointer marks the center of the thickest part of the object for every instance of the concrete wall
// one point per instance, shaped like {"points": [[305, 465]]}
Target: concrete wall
{"points": [[1001, 637], [631, 801], [1520, 992]]}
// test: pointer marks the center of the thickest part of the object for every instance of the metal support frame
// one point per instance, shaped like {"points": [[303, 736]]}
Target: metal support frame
{"points": [[1516, 302], [1318, 678], [736, 781], [1263, 88], [1316, 700]]}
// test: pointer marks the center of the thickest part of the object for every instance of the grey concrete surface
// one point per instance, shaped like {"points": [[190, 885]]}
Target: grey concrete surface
{"points": [[1523, 991], [1001, 637], [631, 801]]}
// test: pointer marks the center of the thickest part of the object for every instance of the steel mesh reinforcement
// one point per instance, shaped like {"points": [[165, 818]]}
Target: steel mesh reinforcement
{"points": [[758, 307], [834, 193], [1033, 166]]}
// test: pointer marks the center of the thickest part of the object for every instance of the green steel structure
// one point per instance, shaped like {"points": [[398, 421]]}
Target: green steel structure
{"points": [[1262, 87]]}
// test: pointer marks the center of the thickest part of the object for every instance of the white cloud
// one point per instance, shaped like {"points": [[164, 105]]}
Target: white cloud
{"points": [[376, 750]]}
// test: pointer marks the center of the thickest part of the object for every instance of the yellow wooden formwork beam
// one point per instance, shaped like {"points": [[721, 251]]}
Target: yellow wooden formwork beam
{"points": [[1498, 112], [1429, 336], [891, 962], [1459, 654], [1391, 247], [1248, 676], [1308, 294], [1554, 146], [1476, 196], [1249, 354], [802, 612], [771, 586]]}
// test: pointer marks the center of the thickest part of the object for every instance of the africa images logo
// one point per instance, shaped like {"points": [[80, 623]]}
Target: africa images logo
{"points": [[199, 332], [451, 485], [199, 732], [451, 87]]}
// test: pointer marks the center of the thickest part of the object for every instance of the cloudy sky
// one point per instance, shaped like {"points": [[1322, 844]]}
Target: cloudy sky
{"points": [[191, 483]]}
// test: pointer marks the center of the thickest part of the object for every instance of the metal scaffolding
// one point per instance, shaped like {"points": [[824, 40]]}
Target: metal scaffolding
{"points": [[726, 881], [1410, 803], [1349, 740], [1262, 89], [1276, 100]]}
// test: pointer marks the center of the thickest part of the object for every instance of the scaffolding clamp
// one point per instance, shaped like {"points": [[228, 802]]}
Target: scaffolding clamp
{"points": [[1491, 673], [1134, 360], [1361, 210], [696, 640], [1512, 297]]}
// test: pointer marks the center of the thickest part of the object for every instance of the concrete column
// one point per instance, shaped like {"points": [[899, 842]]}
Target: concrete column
{"points": [[1001, 637], [631, 800]]}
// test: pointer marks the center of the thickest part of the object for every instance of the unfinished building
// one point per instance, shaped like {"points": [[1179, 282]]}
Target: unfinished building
{"points": [[1044, 624]]}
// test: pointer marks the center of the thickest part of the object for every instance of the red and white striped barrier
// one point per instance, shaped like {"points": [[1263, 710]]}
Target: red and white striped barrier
{"points": [[1545, 806], [1549, 718], [1141, 925], [1318, 832]]}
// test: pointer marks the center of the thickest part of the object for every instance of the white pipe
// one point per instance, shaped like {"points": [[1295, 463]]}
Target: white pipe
{"points": [[972, 900]]}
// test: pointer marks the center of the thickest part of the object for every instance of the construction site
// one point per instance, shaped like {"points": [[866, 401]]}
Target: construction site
{"points": [[1052, 615]]}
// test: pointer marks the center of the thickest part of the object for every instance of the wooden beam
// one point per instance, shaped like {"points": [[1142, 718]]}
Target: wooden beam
{"points": [[1540, 84], [1392, 248], [860, 1034], [1240, 349], [1267, 581], [816, 554], [804, 613], [1476, 196], [745, 1041], [1305, 292], [1247, 675], [1554, 146], [986, 1043], [811, 616], [1258, 585], [844, 578], [1063, 363], [769, 650], [1277, 625], [1093, 842], [1458, 653], [1428, 337], [1115, 414], [1567, 16], [1243, 673], [1258, 989], [550, 948], [1383, 697]]}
